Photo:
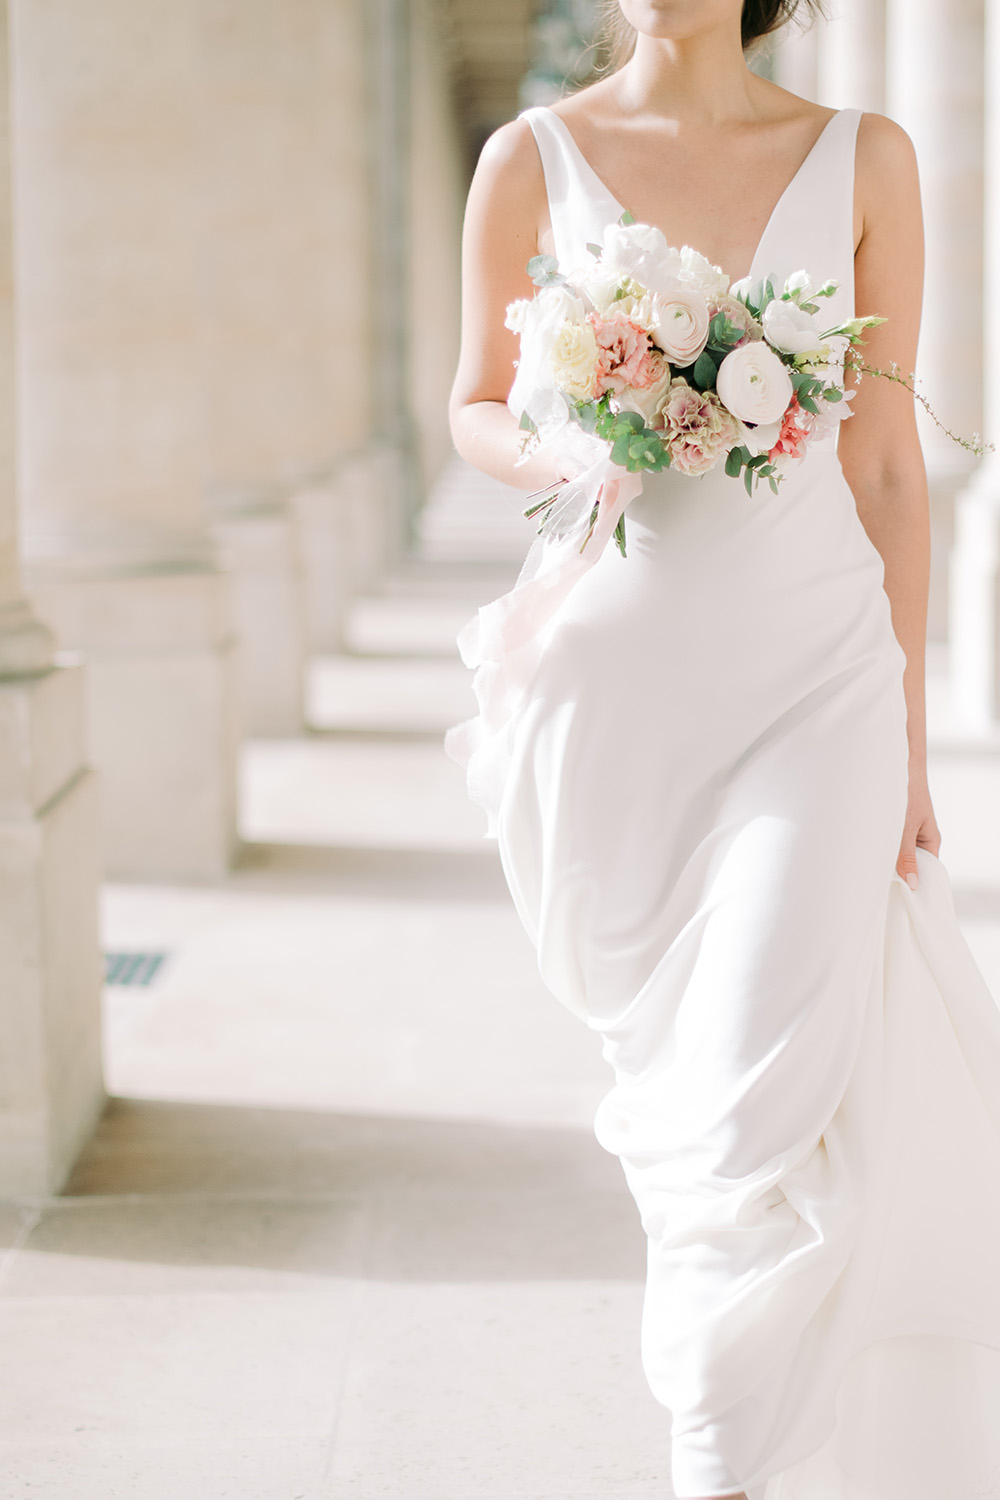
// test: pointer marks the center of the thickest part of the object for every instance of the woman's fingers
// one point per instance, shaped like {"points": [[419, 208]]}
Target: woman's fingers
{"points": [[919, 832], [906, 864]]}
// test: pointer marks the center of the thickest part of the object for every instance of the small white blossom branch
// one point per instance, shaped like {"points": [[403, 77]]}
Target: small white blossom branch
{"points": [[859, 367]]}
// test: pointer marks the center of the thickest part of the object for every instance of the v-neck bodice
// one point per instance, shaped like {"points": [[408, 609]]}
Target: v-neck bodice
{"points": [[811, 226]]}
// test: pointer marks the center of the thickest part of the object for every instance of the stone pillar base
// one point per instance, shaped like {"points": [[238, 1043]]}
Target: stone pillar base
{"points": [[345, 542], [974, 613], [163, 727], [324, 527], [51, 1089]]}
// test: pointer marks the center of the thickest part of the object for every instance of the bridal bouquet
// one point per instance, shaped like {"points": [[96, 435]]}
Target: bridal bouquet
{"points": [[651, 350]]}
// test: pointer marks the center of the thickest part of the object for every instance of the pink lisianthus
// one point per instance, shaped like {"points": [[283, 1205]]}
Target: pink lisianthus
{"points": [[793, 434], [739, 314], [623, 354], [696, 426]]}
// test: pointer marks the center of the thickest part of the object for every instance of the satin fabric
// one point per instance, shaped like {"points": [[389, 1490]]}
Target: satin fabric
{"points": [[698, 788]]}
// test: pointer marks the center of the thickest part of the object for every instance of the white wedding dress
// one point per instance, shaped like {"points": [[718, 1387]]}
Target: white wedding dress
{"points": [[696, 768]]}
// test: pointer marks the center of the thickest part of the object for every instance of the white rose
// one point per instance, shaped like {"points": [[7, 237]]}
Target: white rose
{"points": [[761, 439], [753, 384], [540, 323], [788, 328], [682, 324], [599, 283], [641, 253], [642, 311], [699, 272], [799, 285], [574, 360]]}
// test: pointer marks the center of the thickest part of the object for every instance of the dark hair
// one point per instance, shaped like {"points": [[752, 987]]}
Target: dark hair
{"points": [[760, 17]]}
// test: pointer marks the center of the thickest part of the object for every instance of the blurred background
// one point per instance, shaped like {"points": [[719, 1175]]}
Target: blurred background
{"points": [[286, 1118]]}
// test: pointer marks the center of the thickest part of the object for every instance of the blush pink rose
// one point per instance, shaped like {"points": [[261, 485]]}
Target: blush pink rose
{"points": [[623, 354], [696, 427]]}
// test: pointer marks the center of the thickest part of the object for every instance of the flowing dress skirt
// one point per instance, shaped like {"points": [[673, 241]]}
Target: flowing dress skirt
{"points": [[703, 791]]}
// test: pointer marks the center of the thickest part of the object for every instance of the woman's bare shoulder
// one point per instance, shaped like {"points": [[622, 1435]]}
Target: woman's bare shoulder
{"points": [[510, 156], [884, 147]]}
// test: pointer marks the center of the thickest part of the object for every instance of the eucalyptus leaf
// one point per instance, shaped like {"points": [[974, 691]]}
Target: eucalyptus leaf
{"points": [[596, 251], [833, 393], [734, 462], [627, 218], [544, 271], [705, 372]]}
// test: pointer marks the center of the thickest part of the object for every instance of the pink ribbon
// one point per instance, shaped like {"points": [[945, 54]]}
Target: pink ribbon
{"points": [[503, 642]]}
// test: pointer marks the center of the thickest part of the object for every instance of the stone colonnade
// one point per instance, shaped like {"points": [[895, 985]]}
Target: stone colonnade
{"points": [[226, 413], [50, 1071], [922, 64]]}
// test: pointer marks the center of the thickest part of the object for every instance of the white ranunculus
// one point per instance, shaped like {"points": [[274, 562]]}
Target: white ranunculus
{"points": [[753, 384], [699, 272], [641, 253], [788, 328], [682, 323]]}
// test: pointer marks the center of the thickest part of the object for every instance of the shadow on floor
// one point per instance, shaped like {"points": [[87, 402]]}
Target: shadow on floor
{"points": [[304, 1192], [406, 874]]}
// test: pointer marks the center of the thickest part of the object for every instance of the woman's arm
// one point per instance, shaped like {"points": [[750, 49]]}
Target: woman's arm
{"points": [[879, 447], [506, 212]]}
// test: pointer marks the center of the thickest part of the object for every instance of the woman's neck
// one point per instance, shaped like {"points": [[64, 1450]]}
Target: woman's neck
{"points": [[700, 81]]}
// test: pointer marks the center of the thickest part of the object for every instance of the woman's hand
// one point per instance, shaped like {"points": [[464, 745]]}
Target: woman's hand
{"points": [[920, 831]]}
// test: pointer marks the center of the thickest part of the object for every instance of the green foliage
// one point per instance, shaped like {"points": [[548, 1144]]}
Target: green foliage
{"points": [[544, 271], [757, 296], [627, 219], [704, 372], [634, 446], [754, 467], [723, 334]]}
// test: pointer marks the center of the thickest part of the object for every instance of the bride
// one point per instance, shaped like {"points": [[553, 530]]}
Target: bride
{"points": [[706, 768]]}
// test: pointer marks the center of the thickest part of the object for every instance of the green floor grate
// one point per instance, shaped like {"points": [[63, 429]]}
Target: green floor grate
{"points": [[132, 968]]}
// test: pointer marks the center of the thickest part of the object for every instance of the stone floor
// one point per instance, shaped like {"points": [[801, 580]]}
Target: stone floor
{"points": [[344, 1232]]}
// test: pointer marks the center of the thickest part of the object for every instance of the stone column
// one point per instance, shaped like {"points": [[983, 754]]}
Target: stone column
{"points": [[396, 443], [935, 90], [107, 163], [851, 57], [975, 563], [50, 1070], [436, 194]]}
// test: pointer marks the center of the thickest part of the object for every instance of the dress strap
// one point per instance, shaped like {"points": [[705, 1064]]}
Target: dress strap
{"points": [[580, 206], [812, 227]]}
